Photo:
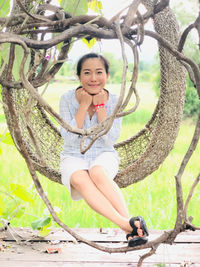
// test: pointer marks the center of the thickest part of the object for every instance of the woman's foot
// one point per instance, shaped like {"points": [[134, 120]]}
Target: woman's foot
{"points": [[138, 235]]}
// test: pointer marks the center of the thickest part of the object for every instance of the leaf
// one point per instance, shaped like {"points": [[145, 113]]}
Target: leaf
{"points": [[21, 192], [75, 7], [45, 232], [20, 212], [10, 208], [59, 46], [4, 8], [19, 53], [39, 224], [7, 139], [89, 43], [46, 229], [1, 150], [99, 5], [95, 5]]}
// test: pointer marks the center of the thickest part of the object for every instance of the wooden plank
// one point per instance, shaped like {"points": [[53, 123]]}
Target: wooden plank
{"points": [[68, 264], [81, 253], [185, 250], [97, 235]]}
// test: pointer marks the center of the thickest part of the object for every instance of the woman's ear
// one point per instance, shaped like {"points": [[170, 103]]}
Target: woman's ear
{"points": [[78, 78]]}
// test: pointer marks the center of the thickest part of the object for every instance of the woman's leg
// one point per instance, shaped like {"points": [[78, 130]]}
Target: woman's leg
{"points": [[82, 182], [109, 189]]}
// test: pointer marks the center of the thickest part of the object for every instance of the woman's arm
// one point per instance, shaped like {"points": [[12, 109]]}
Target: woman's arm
{"points": [[67, 114], [114, 132], [85, 100]]}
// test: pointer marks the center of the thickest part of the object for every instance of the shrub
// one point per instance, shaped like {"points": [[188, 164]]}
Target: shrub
{"points": [[192, 103]]}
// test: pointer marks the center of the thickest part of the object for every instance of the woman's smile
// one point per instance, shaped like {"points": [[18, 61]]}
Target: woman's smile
{"points": [[93, 76]]}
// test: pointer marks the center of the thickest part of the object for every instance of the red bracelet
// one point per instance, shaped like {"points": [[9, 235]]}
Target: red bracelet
{"points": [[98, 106]]}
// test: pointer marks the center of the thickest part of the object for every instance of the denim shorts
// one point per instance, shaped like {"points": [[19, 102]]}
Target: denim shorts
{"points": [[69, 164]]}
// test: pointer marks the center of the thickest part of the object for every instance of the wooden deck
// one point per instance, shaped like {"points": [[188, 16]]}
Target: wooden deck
{"points": [[184, 252]]}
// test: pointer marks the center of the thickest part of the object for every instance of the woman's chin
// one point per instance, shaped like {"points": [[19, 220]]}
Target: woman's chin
{"points": [[95, 92]]}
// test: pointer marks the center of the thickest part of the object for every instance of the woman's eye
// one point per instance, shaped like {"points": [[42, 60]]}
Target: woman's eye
{"points": [[86, 73], [99, 72]]}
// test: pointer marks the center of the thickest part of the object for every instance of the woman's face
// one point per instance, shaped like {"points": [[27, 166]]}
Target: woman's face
{"points": [[93, 76]]}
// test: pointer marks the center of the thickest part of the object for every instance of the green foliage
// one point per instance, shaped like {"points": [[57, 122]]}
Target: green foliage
{"points": [[95, 5], [16, 201], [42, 222], [116, 68], [4, 52], [192, 101], [6, 139], [20, 192], [4, 8], [185, 18], [75, 7], [139, 117], [13, 201], [157, 205], [2, 205], [19, 53]]}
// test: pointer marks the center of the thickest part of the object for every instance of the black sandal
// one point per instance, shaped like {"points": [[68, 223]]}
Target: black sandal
{"points": [[136, 241], [142, 224]]}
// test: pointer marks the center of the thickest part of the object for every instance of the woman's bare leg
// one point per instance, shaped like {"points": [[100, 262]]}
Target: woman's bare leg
{"points": [[109, 189], [82, 182], [112, 192]]}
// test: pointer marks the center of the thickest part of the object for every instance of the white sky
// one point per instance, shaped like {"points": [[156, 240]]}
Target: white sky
{"points": [[110, 8]]}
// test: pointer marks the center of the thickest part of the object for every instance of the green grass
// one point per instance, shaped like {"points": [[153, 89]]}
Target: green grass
{"points": [[154, 197]]}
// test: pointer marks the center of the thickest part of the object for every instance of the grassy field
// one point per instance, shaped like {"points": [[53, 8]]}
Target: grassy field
{"points": [[154, 197]]}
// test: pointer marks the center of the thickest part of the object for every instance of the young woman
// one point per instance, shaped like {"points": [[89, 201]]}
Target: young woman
{"points": [[90, 175]]}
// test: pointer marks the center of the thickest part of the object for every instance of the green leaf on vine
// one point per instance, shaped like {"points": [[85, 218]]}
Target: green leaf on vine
{"points": [[39, 224], [89, 43], [75, 7], [21, 192], [46, 229]]}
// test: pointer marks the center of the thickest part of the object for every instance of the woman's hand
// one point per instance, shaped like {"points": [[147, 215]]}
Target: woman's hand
{"points": [[84, 98], [100, 98]]}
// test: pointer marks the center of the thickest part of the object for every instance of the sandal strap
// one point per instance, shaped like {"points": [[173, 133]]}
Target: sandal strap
{"points": [[128, 235], [142, 223]]}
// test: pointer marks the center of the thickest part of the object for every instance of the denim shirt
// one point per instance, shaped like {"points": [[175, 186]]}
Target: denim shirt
{"points": [[68, 109]]}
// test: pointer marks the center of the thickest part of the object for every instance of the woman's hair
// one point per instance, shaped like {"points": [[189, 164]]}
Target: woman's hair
{"points": [[91, 55]]}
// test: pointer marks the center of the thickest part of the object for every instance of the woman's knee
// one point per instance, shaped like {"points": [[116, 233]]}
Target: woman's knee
{"points": [[97, 174], [78, 179]]}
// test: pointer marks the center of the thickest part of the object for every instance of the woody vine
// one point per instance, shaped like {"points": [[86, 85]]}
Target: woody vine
{"points": [[26, 27]]}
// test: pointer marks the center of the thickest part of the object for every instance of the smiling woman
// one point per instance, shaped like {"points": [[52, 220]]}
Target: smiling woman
{"points": [[90, 176]]}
